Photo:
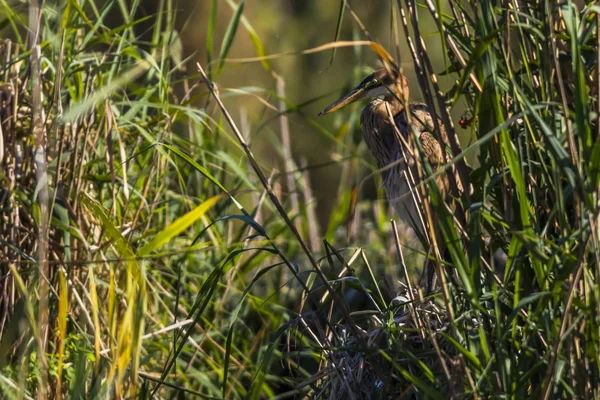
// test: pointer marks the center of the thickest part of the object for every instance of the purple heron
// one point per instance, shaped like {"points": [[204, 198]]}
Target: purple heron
{"points": [[389, 142]]}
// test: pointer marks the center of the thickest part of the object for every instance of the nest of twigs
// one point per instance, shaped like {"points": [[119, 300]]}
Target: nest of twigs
{"points": [[407, 348]]}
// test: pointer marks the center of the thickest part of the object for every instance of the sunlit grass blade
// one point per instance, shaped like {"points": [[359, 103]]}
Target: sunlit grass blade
{"points": [[258, 44], [230, 34], [210, 35], [178, 226]]}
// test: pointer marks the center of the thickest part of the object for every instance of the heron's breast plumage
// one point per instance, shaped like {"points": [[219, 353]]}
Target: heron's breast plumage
{"points": [[381, 140], [386, 148]]}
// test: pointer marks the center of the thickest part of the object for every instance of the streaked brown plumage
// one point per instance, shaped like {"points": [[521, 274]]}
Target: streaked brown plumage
{"points": [[393, 157]]}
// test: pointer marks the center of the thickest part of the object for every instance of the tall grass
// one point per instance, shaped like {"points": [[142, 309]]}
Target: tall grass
{"points": [[146, 251]]}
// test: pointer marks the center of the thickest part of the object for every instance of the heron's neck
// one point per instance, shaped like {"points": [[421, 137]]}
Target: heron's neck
{"points": [[378, 130], [394, 106]]}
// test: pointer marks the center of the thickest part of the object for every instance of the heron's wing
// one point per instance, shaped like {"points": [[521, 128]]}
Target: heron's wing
{"points": [[432, 149], [422, 120]]}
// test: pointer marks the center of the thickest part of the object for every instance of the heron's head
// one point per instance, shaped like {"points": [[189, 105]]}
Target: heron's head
{"points": [[379, 83]]}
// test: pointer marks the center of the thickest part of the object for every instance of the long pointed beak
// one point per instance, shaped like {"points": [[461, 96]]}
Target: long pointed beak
{"points": [[356, 94]]}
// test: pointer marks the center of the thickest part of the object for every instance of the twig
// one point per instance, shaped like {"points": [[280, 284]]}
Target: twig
{"points": [[411, 307]]}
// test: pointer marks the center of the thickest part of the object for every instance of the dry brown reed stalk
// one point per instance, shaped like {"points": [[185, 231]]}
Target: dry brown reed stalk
{"points": [[41, 167]]}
